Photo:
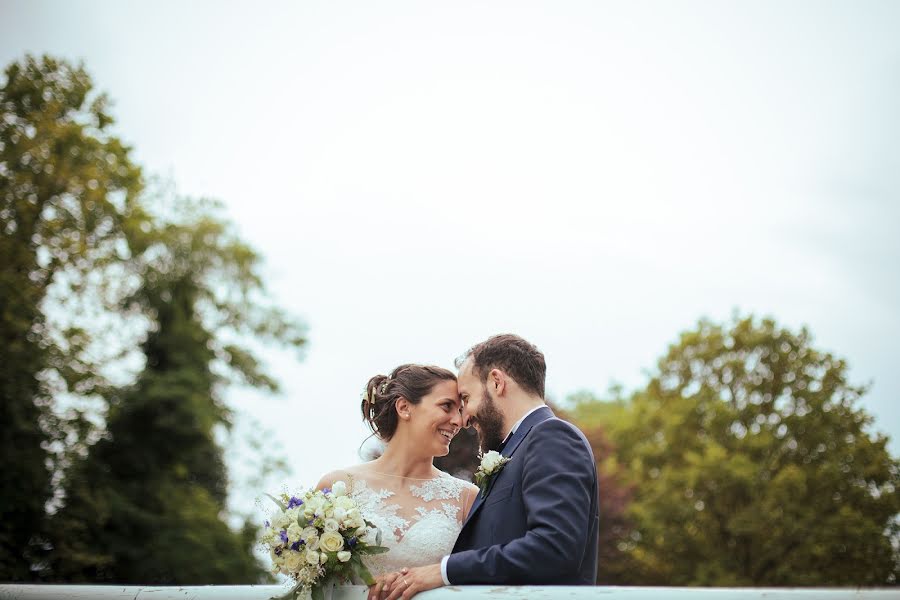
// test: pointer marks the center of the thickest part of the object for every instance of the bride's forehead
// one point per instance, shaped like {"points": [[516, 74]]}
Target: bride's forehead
{"points": [[445, 390]]}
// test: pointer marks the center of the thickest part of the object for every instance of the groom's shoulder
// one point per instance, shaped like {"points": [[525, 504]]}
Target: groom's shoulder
{"points": [[560, 430], [556, 424]]}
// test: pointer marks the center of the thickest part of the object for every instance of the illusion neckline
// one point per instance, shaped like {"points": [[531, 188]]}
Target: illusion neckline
{"points": [[439, 475]]}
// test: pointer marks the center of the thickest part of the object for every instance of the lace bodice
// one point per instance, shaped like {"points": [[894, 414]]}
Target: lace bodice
{"points": [[419, 522]]}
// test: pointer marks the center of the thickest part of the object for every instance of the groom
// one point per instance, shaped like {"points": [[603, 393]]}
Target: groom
{"points": [[536, 522]]}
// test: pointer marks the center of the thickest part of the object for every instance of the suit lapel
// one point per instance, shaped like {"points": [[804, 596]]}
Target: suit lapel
{"points": [[542, 414]]}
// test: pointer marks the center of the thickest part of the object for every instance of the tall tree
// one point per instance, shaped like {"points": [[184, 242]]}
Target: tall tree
{"points": [[145, 505], [754, 466], [593, 415], [68, 191]]}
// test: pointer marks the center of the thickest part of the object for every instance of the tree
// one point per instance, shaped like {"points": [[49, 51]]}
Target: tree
{"points": [[68, 191], [753, 466], [593, 416], [144, 506]]}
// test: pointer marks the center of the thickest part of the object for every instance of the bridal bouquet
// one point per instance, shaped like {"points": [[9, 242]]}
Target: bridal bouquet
{"points": [[320, 537]]}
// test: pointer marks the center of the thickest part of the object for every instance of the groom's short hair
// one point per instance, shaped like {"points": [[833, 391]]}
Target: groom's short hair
{"points": [[515, 356]]}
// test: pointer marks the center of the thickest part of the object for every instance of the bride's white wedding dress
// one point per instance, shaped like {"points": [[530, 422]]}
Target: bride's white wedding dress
{"points": [[419, 520]]}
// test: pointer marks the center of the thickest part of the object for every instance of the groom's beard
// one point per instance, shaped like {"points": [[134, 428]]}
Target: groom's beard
{"points": [[490, 424]]}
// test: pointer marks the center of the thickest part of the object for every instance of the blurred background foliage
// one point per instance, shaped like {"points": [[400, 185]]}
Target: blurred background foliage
{"points": [[85, 242], [744, 461]]}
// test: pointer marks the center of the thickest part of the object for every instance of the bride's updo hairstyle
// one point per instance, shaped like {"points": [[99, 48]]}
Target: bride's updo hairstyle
{"points": [[412, 382]]}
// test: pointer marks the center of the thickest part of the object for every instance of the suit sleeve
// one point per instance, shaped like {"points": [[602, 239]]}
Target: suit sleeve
{"points": [[558, 482]]}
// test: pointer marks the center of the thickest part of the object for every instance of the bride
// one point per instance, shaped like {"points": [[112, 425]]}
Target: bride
{"points": [[419, 509]]}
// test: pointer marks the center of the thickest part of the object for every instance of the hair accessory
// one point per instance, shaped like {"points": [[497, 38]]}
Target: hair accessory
{"points": [[369, 400], [385, 384]]}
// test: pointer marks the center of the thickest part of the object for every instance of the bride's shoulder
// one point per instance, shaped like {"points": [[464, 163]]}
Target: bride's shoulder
{"points": [[461, 483], [327, 480]]}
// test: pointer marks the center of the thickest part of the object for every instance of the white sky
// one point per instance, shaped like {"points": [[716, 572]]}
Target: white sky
{"points": [[594, 176]]}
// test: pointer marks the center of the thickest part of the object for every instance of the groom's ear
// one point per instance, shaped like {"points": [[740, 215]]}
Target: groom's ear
{"points": [[497, 380]]}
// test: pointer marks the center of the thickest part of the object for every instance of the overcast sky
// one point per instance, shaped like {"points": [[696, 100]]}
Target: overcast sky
{"points": [[595, 176]]}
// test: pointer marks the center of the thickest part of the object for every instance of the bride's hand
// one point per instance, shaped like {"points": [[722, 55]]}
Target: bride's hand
{"points": [[416, 580], [383, 584]]}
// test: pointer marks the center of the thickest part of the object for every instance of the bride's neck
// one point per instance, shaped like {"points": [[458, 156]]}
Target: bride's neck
{"points": [[401, 460]]}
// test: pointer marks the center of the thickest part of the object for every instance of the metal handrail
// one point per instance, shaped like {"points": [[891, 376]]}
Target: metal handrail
{"points": [[482, 592]]}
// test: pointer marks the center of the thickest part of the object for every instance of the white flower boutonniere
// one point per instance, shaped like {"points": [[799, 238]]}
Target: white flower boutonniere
{"points": [[491, 464]]}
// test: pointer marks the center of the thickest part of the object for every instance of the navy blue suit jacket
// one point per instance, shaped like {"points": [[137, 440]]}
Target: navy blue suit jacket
{"points": [[539, 523]]}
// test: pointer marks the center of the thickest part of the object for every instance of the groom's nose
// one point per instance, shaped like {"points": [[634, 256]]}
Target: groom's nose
{"points": [[465, 417]]}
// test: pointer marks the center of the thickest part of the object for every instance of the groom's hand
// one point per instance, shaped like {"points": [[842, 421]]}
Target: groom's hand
{"points": [[418, 579]]}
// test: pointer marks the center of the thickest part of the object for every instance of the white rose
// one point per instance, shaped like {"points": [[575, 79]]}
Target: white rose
{"points": [[280, 521], [293, 560], [332, 525], [344, 502], [312, 557], [371, 536], [339, 488], [340, 514], [323, 558], [331, 541], [354, 519], [309, 533], [312, 542], [343, 556], [312, 505], [295, 532], [490, 461]]}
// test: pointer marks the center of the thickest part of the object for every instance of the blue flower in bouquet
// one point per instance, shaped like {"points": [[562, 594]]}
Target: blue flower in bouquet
{"points": [[352, 542], [294, 502], [284, 536]]}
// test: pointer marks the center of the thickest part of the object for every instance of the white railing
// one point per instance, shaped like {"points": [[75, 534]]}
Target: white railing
{"points": [[356, 592]]}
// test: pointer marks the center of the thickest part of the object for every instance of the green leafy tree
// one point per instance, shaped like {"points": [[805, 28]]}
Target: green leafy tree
{"points": [[145, 505], [68, 191], [753, 466], [593, 416]]}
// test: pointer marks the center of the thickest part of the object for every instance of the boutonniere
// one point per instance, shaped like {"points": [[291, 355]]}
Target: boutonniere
{"points": [[491, 464]]}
